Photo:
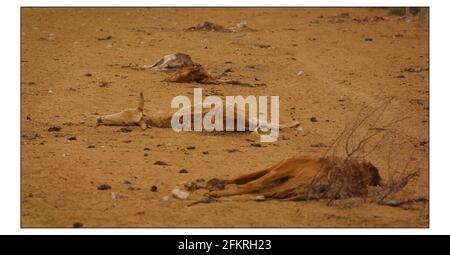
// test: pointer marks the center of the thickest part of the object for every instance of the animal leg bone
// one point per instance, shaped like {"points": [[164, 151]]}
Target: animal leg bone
{"points": [[130, 117]]}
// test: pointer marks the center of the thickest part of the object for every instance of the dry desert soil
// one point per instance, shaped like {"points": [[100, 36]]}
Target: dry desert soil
{"points": [[327, 63]]}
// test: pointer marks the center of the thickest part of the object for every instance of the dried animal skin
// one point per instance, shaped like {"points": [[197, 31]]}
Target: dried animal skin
{"points": [[173, 62]]}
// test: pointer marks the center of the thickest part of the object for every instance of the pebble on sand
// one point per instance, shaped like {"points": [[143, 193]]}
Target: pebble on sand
{"points": [[54, 129], [77, 225], [104, 187], [183, 171], [160, 163]]}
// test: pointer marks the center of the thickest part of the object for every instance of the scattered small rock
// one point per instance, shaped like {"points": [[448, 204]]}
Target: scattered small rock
{"points": [[77, 225], [205, 152], [88, 75], [368, 39], [145, 154], [190, 147], [126, 130], [416, 101], [160, 163], [183, 171], [90, 146], [153, 188], [255, 144], [104, 187], [104, 84], [72, 138], [127, 182], [313, 119], [54, 129], [109, 37], [423, 143]]}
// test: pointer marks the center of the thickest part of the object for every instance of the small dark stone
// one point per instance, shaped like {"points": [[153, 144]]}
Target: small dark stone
{"points": [[313, 119], [183, 171], [109, 37], [423, 143], [368, 39], [255, 144], [153, 188], [127, 182], [146, 149], [90, 146], [126, 129], [54, 129], [88, 75], [77, 225], [190, 147], [104, 187], [145, 154], [205, 152], [104, 84], [160, 163], [72, 138]]}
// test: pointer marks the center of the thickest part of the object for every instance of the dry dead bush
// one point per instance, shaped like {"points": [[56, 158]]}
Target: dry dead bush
{"points": [[358, 141]]}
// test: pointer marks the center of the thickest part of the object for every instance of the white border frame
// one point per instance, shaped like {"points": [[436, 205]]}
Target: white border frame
{"points": [[10, 131]]}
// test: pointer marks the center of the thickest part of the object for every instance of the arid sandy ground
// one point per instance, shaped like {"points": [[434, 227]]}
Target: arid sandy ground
{"points": [[65, 66]]}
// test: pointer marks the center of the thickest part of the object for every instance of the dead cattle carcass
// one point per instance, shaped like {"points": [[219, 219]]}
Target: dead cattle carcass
{"points": [[302, 178]]}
